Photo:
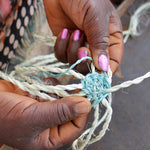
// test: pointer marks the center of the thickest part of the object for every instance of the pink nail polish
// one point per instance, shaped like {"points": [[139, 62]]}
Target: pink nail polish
{"points": [[76, 35], [64, 33], [103, 62], [82, 53]]}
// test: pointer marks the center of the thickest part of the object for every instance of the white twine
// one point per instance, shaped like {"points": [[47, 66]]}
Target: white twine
{"points": [[21, 77], [139, 21]]}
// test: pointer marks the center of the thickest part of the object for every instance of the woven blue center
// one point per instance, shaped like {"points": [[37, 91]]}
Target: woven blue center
{"points": [[95, 85]]}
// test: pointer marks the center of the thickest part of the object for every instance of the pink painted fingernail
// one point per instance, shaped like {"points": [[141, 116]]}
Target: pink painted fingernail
{"points": [[64, 33], [82, 53], [76, 35], [103, 62]]}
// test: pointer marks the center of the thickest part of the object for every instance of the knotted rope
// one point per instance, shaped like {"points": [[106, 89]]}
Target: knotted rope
{"points": [[96, 87]]}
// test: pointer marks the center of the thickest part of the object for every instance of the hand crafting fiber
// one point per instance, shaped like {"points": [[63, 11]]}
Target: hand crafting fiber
{"points": [[96, 87]]}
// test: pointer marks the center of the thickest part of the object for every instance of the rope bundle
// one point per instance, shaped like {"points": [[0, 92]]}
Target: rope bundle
{"points": [[27, 77], [99, 84], [97, 87]]}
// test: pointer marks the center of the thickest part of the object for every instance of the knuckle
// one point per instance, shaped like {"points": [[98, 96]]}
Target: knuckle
{"points": [[81, 11], [115, 20], [100, 41], [63, 113]]}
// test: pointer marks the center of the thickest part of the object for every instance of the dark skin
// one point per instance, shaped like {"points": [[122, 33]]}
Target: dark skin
{"points": [[97, 20], [28, 124]]}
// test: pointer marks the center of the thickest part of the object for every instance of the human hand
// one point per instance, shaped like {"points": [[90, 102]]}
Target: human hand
{"points": [[96, 21], [27, 124], [5, 9]]}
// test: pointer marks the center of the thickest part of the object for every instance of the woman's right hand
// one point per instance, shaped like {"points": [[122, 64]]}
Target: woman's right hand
{"points": [[75, 21]]}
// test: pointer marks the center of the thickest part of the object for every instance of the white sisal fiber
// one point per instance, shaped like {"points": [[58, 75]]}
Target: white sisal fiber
{"points": [[139, 21], [21, 77], [34, 87]]}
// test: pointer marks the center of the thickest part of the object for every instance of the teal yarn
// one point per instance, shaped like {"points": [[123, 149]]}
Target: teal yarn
{"points": [[60, 74], [95, 85], [37, 78], [71, 67]]}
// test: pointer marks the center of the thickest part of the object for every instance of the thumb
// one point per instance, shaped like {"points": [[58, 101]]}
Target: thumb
{"points": [[48, 114], [96, 28]]}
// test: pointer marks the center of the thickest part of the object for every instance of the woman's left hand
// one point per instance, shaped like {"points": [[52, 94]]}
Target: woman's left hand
{"points": [[27, 124]]}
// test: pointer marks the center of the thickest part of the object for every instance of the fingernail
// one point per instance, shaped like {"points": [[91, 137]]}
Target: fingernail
{"points": [[103, 62], [64, 33], [82, 53], [76, 35], [82, 108]]}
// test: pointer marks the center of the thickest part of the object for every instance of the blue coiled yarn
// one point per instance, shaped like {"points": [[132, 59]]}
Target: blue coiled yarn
{"points": [[95, 85]]}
